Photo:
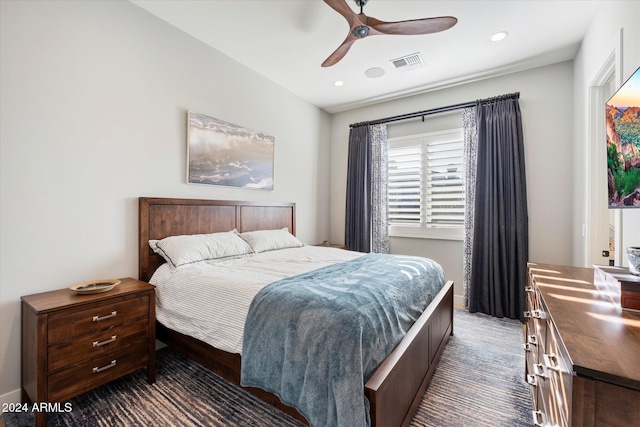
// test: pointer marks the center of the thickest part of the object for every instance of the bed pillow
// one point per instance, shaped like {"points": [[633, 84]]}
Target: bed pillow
{"points": [[270, 240], [187, 249]]}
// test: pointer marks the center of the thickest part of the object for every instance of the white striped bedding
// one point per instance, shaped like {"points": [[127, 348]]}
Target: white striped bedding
{"points": [[210, 300]]}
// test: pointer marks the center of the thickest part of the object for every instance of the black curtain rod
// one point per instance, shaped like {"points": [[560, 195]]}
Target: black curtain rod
{"points": [[434, 110]]}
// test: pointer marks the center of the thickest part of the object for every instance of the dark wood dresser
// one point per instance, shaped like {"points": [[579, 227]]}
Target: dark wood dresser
{"points": [[73, 343], [582, 351]]}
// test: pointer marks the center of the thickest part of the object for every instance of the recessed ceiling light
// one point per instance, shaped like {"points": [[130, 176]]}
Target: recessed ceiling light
{"points": [[338, 83], [374, 72], [499, 36]]}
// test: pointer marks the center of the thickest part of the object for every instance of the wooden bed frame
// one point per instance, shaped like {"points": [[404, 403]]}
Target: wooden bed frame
{"points": [[396, 387]]}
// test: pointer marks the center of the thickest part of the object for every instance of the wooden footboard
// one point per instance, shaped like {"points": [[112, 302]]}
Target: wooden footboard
{"points": [[396, 388]]}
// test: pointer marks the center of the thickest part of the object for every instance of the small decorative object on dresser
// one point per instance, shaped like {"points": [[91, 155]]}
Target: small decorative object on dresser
{"points": [[72, 343], [618, 285], [633, 254]]}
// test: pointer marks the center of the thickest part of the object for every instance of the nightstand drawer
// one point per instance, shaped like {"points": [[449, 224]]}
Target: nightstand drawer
{"points": [[98, 344], [87, 375], [69, 325]]}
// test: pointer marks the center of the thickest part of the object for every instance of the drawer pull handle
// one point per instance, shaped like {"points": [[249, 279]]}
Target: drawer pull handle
{"points": [[538, 418], [527, 347], [551, 362], [531, 380], [527, 314], [108, 316], [100, 344], [538, 314], [104, 368], [539, 370], [528, 289], [532, 339]]}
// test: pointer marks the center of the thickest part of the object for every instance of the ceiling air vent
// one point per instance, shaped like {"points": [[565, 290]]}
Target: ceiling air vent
{"points": [[408, 63]]}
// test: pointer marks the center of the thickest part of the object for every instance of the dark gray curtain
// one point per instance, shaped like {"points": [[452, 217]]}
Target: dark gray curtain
{"points": [[501, 239], [357, 233]]}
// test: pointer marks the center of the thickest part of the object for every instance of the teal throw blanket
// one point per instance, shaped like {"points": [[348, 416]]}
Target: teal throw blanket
{"points": [[316, 338]]}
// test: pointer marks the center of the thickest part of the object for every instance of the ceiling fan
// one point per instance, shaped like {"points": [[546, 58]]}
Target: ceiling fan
{"points": [[363, 26]]}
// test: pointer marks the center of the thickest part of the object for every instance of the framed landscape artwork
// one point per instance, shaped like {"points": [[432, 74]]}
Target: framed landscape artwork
{"points": [[221, 153]]}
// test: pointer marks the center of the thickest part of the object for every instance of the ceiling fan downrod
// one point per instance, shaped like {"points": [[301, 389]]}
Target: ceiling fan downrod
{"points": [[361, 31], [361, 3]]}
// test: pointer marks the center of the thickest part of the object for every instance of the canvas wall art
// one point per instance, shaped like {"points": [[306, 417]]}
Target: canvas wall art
{"points": [[221, 153]]}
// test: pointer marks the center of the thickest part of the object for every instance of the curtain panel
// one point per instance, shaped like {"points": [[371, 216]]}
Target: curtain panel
{"points": [[357, 232], [500, 232], [379, 185], [470, 161], [366, 218]]}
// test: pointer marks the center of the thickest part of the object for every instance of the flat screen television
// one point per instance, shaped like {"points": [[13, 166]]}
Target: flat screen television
{"points": [[623, 144]]}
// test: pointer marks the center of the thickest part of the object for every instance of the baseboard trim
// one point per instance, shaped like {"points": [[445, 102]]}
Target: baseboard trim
{"points": [[11, 397]]}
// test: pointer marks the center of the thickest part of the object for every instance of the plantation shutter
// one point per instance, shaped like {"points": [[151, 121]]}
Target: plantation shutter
{"points": [[426, 182], [444, 183], [405, 184]]}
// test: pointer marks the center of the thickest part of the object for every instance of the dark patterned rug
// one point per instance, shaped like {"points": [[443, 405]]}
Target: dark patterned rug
{"points": [[479, 382]]}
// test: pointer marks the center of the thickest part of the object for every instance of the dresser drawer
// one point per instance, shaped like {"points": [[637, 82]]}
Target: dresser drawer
{"points": [[92, 373], [72, 324], [94, 345], [558, 366]]}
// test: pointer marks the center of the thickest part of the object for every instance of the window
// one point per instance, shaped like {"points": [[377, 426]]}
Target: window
{"points": [[426, 185]]}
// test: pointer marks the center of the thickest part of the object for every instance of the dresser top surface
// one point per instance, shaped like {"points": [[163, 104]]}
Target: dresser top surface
{"points": [[64, 298], [602, 340]]}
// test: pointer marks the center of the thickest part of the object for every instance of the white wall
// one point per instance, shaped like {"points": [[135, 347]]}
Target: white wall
{"points": [[546, 102], [93, 115], [600, 41]]}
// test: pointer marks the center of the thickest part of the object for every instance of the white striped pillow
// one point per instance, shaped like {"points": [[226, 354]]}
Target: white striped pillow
{"points": [[269, 240], [187, 249]]}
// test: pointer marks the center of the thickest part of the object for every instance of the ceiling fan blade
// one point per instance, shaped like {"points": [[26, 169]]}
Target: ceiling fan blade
{"points": [[342, 8], [413, 26], [340, 52]]}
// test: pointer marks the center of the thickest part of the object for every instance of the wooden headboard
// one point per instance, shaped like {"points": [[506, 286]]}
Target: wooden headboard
{"points": [[162, 217]]}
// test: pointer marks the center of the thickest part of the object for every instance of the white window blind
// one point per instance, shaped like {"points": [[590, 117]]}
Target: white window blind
{"points": [[426, 185], [405, 184]]}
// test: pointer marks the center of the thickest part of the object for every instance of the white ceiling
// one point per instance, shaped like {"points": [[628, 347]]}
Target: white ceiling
{"points": [[287, 40]]}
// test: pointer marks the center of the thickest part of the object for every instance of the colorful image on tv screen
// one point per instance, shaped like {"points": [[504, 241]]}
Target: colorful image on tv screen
{"points": [[623, 144]]}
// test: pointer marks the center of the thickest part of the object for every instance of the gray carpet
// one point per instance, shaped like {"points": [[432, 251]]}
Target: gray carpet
{"points": [[479, 382]]}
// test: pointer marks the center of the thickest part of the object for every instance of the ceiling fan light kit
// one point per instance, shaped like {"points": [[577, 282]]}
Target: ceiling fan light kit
{"points": [[361, 26]]}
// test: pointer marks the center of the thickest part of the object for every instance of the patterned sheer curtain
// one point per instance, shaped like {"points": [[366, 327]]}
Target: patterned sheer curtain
{"points": [[379, 174], [366, 222], [470, 160]]}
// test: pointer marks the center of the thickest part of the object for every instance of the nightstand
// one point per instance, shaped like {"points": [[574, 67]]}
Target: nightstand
{"points": [[73, 343], [331, 245]]}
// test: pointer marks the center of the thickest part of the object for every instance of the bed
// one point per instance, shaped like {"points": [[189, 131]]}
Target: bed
{"points": [[393, 391]]}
